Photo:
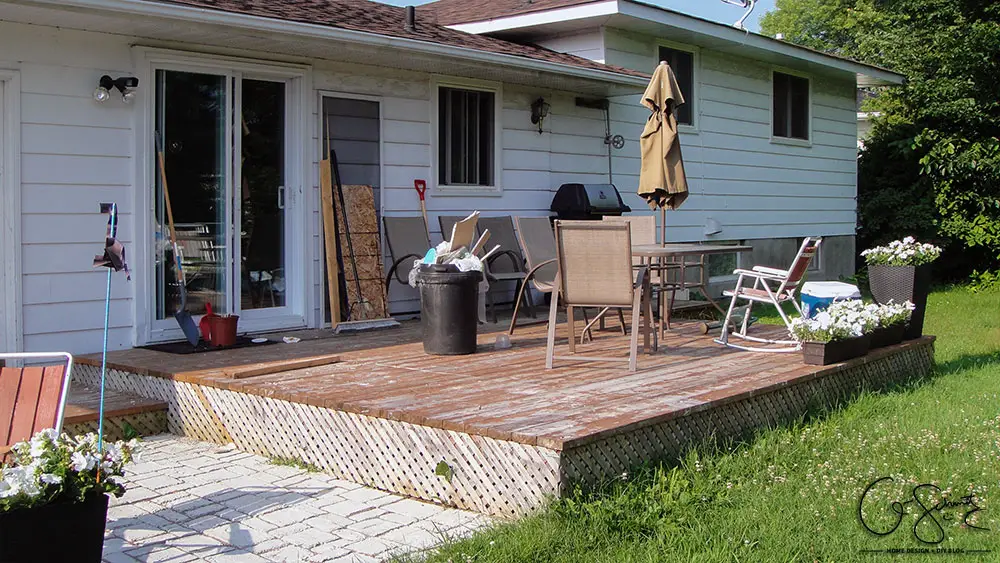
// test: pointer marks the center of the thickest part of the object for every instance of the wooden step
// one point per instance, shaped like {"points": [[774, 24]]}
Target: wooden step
{"points": [[125, 415]]}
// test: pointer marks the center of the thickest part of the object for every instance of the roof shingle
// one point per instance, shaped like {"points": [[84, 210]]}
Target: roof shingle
{"points": [[383, 19], [453, 12]]}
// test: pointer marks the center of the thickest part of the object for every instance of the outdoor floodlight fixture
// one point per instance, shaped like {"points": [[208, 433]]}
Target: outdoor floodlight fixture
{"points": [[124, 84], [539, 111]]}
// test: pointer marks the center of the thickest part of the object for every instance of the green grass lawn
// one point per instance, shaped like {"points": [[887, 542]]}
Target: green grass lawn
{"points": [[792, 493]]}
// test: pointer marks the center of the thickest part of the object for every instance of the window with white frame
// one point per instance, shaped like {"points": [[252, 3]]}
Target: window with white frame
{"points": [[682, 62], [466, 137], [790, 115]]}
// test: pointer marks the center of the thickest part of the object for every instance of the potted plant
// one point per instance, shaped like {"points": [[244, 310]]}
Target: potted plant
{"points": [[891, 323], [841, 332], [57, 484], [900, 272]]}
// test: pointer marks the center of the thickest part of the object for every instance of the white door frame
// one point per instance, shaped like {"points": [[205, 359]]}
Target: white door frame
{"points": [[381, 178], [11, 339], [149, 59]]}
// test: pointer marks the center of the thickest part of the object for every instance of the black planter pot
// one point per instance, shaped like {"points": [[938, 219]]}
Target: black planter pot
{"points": [[55, 532], [899, 284], [888, 336], [826, 353]]}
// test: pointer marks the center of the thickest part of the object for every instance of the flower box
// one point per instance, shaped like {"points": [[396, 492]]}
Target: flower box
{"points": [[887, 336], [56, 532], [903, 283], [826, 353]]}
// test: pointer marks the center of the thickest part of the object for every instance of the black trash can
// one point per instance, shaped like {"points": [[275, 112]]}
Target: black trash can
{"points": [[449, 309]]}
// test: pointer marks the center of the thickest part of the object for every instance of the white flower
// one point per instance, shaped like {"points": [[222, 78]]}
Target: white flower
{"points": [[50, 479], [80, 462]]}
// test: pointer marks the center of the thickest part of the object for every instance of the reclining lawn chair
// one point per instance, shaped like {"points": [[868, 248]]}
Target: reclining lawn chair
{"points": [[32, 398], [408, 241], [506, 264], [595, 270], [772, 286]]}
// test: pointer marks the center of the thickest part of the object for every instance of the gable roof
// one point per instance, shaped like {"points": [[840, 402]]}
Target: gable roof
{"points": [[452, 12], [383, 19]]}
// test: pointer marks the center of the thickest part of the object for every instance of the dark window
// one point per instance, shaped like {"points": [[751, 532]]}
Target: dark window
{"points": [[682, 62], [791, 106], [466, 128]]}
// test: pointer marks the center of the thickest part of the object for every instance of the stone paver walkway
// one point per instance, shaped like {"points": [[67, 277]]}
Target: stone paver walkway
{"points": [[193, 501]]}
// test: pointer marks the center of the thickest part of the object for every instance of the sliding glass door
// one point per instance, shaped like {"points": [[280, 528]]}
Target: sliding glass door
{"points": [[225, 139]]}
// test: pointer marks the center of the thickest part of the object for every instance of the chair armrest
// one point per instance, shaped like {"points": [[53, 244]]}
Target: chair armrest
{"points": [[772, 271], [640, 278], [394, 269], [515, 260], [757, 274]]}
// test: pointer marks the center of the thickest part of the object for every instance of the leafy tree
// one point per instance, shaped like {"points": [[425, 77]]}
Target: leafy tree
{"points": [[824, 25], [932, 165]]}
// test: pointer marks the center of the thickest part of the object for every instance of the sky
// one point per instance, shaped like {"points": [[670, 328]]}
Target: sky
{"points": [[714, 10]]}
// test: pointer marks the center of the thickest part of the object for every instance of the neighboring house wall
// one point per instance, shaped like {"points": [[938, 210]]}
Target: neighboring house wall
{"points": [[77, 153]]}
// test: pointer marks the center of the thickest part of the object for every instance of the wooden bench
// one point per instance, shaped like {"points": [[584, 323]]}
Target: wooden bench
{"points": [[32, 398]]}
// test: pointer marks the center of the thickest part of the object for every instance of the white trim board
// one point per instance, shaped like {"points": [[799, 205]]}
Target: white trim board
{"points": [[11, 339]]}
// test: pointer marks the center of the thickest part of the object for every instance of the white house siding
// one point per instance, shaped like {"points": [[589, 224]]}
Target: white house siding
{"points": [[588, 44], [755, 188], [74, 154], [77, 153]]}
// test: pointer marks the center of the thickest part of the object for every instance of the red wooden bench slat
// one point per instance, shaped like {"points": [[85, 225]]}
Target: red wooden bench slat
{"points": [[48, 404], [10, 380], [26, 405]]}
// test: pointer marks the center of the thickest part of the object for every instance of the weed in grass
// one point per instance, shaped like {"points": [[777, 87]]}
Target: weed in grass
{"points": [[296, 463]]}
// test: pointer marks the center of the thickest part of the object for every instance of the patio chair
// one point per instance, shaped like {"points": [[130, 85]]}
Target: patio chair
{"points": [[644, 232], [773, 286], [407, 241], [32, 398], [506, 264], [594, 263], [539, 245]]}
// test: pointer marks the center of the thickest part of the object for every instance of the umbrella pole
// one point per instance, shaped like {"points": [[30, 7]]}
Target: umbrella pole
{"points": [[663, 226]]}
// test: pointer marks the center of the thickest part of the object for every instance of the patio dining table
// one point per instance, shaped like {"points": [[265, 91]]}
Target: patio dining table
{"points": [[652, 253]]}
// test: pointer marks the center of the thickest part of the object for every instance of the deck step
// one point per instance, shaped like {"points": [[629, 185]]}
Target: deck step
{"points": [[125, 415]]}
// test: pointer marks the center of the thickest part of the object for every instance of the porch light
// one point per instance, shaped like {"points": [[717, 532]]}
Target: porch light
{"points": [[124, 84], [539, 111]]}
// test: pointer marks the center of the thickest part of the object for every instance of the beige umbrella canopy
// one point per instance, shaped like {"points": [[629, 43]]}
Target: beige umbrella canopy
{"points": [[662, 182]]}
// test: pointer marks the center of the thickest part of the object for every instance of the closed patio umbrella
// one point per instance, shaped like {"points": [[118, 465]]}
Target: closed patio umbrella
{"points": [[662, 182]]}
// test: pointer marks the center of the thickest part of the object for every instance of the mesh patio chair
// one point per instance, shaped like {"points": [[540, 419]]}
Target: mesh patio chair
{"points": [[507, 264], [407, 240], [32, 398], [663, 275], [539, 245], [594, 261], [773, 286]]}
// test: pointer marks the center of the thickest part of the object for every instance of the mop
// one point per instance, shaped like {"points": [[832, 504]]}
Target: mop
{"points": [[114, 260]]}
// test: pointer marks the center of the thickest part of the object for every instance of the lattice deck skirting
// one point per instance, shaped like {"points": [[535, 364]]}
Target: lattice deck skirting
{"points": [[490, 475], [144, 424]]}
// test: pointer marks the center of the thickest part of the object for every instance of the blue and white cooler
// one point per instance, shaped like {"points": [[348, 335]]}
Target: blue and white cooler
{"points": [[817, 296]]}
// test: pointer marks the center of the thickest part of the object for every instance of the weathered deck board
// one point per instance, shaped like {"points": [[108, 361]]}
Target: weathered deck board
{"points": [[507, 394]]}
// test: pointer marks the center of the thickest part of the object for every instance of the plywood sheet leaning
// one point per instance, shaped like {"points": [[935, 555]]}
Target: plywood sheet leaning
{"points": [[359, 204]]}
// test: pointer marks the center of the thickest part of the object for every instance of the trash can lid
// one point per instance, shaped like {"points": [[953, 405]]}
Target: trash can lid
{"points": [[831, 289]]}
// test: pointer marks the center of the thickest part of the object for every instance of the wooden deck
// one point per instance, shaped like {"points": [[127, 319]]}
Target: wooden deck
{"points": [[387, 390], [121, 409]]}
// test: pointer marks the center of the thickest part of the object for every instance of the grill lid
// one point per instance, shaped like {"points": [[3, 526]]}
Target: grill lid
{"points": [[596, 199]]}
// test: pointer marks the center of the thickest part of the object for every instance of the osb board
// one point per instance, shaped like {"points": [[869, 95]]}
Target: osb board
{"points": [[359, 205]]}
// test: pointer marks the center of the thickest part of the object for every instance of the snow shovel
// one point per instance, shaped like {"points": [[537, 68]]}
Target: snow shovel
{"points": [[184, 319]]}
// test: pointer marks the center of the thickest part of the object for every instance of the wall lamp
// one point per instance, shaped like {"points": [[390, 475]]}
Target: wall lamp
{"points": [[539, 111], [124, 84]]}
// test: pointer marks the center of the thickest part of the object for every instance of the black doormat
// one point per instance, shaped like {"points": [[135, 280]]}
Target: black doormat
{"points": [[185, 348]]}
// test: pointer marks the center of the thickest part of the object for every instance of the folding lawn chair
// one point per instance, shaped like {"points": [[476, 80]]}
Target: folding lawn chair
{"points": [[771, 286], [32, 398], [595, 270]]}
